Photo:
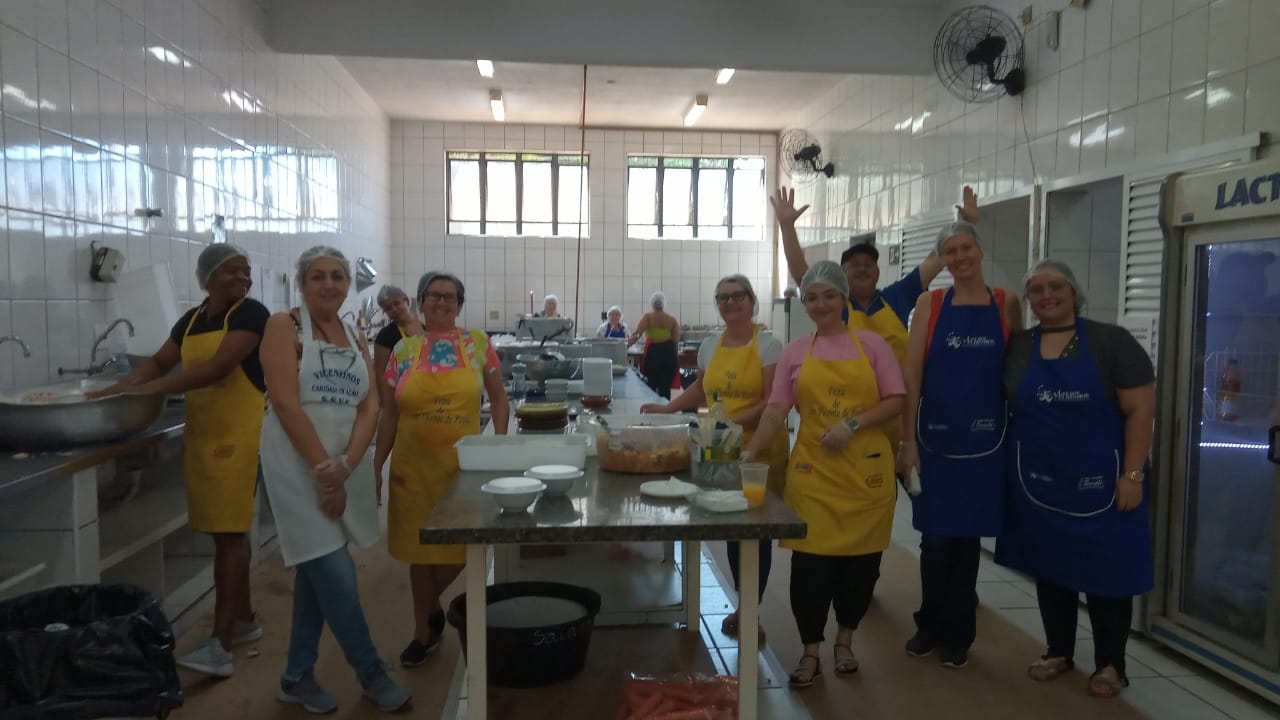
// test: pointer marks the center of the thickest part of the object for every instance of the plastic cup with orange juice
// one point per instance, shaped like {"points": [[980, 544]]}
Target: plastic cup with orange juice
{"points": [[755, 476]]}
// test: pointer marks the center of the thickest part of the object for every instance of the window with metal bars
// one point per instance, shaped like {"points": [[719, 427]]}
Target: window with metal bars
{"points": [[707, 198], [518, 193]]}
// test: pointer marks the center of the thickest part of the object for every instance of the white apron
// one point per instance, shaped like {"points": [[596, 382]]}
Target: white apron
{"points": [[332, 381]]}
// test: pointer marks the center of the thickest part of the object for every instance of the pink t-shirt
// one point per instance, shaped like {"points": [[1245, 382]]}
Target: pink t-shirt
{"points": [[836, 347]]}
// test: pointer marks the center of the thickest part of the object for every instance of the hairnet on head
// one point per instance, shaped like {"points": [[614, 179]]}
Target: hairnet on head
{"points": [[658, 301], [613, 309], [390, 292], [321, 251], [434, 275], [551, 297], [958, 227], [212, 257], [1061, 269], [825, 272], [742, 280]]}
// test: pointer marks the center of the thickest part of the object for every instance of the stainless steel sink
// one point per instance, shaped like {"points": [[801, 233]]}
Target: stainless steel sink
{"points": [[59, 416]]}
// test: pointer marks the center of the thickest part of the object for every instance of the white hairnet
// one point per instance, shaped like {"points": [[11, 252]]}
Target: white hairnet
{"points": [[212, 257], [958, 227], [551, 297], [390, 292], [614, 309], [321, 251], [825, 272], [658, 301], [1061, 269]]}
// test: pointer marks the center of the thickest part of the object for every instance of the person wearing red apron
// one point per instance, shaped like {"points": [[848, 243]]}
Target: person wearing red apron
{"points": [[1076, 518], [437, 381], [953, 433], [217, 346], [737, 367], [846, 385]]}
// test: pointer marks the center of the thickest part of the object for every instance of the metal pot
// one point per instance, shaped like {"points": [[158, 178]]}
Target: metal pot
{"points": [[612, 348], [509, 353], [66, 419], [545, 366]]}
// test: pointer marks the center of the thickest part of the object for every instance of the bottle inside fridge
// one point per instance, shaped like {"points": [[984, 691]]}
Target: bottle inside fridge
{"points": [[1229, 391]]}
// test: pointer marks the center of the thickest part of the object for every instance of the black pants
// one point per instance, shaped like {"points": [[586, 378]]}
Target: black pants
{"points": [[766, 562], [820, 582], [660, 364], [1109, 616], [948, 590]]}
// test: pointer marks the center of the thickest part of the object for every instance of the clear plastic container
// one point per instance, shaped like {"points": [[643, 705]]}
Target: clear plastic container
{"points": [[643, 444]]}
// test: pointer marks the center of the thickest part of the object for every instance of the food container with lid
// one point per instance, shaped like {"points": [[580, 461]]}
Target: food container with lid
{"points": [[643, 444]]}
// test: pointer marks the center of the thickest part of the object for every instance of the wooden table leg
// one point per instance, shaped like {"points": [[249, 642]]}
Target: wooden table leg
{"points": [[692, 584], [748, 621], [477, 640]]}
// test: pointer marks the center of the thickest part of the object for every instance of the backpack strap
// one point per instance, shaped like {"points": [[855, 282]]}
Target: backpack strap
{"points": [[936, 298], [999, 296]]}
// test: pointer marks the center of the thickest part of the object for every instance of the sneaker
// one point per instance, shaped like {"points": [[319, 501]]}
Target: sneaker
{"points": [[307, 693], [955, 658], [210, 658], [920, 645], [246, 631], [416, 653], [384, 692]]}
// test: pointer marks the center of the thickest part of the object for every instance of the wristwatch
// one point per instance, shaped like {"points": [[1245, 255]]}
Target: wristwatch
{"points": [[853, 424], [1135, 476]]}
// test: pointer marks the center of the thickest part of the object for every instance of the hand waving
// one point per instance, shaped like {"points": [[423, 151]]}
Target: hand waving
{"points": [[783, 201]]}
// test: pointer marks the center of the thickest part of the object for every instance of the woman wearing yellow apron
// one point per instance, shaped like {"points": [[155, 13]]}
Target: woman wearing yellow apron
{"points": [[217, 344], [396, 306], [846, 385], [437, 381], [737, 367]]}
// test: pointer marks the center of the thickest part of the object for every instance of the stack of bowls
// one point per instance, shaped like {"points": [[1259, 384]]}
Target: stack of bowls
{"points": [[559, 479]]}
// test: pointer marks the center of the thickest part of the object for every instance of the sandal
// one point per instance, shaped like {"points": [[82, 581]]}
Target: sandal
{"points": [[1048, 668], [803, 677], [730, 625], [845, 664], [1106, 683]]}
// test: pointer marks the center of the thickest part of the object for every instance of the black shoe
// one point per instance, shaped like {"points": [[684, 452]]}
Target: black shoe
{"points": [[955, 658], [920, 645], [416, 653]]}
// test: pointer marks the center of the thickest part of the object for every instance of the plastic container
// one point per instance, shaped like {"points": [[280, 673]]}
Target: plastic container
{"points": [[520, 452], [643, 444], [537, 632]]}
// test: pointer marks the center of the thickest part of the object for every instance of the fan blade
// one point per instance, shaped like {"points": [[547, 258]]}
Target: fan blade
{"points": [[987, 51]]}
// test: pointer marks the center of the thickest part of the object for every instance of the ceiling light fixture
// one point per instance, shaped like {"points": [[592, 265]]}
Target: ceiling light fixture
{"points": [[695, 110], [485, 67], [724, 76], [495, 103]]}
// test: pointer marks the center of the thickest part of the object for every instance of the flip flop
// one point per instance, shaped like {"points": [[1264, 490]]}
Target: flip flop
{"points": [[1106, 683], [1048, 668], [802, 677], [845, 664]]}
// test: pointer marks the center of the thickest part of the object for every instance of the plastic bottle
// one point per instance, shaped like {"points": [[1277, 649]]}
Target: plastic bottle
{"points": [[1229, 392]]}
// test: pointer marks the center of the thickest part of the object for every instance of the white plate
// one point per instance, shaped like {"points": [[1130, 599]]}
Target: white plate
{"points": [[668, 488], [724, 501], [554, 472]]}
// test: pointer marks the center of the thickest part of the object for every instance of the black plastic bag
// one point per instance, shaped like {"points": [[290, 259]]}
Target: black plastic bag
{"points": [[86, 651]]}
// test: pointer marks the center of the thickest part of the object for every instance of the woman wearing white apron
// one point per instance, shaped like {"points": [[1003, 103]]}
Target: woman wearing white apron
{"points": [[319, 478]]}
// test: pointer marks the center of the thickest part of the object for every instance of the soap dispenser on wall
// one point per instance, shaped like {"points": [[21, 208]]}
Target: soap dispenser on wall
{"points": [[107, 263]]}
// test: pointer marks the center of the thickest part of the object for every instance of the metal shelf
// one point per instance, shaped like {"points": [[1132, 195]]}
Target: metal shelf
{"points": [[156, 512]]}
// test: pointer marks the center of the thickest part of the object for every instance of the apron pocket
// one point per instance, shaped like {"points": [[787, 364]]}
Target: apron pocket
{"points": [[1079, 485]]}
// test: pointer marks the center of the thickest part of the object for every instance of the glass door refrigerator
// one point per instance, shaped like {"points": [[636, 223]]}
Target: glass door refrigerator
{"points": [[1217, 597]]}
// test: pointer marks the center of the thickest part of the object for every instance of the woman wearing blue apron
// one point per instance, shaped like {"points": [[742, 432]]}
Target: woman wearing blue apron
{"points": [[953, 434], [613, 327], [1076, 513]]}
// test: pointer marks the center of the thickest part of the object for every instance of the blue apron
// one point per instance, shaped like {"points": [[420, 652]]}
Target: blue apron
{"points": [[621, 332], [1067, 446], [960, 424]]}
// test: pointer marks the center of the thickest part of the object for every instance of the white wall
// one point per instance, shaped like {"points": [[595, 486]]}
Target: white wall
{"points": [[95, 126], [500, 271], [1132, 80], [1083, 230]]}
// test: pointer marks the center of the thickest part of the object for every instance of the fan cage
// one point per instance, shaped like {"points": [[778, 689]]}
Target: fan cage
{"points": [[961, 33]]}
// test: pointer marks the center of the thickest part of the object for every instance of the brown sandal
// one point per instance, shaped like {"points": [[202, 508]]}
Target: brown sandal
{"points": [[845, 664], [1048, 668], [1106, 683], [802, 677]]}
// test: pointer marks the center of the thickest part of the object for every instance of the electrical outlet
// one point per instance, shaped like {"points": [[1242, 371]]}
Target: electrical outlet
{"points": [[895, 255], [494, 315]]}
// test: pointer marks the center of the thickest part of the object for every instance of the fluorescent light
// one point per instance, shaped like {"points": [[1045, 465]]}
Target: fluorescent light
{"points": [[495, 104], [695, 110], [724, 76], [485, 67]]}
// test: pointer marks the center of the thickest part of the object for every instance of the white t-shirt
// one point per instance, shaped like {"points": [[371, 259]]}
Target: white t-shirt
{"points": [[769, 346]]}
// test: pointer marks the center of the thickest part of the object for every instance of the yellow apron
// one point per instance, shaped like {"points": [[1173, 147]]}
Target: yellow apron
{"points": [[736, 376], [886, 323], [220, 442], [846, 498], [436, 409]]}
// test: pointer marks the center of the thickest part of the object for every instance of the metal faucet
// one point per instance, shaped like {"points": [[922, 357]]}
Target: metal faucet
{"points": [[26, 350], [94, 368]]}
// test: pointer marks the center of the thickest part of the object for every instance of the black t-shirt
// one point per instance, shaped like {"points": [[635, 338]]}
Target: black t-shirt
{"points": [[250, 316], [388, 336], [1122, 363]]}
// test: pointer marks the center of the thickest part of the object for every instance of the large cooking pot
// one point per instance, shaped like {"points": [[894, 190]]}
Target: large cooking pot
{"points": [[612, 348], [509, 352], [540, 367]]}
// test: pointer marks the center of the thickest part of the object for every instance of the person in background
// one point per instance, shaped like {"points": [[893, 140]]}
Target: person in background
{"points": [[956, 412], [1082, 396], [661, 331], [322, 415], [550, 307], [613, 327], [437, 383], [395, 305], [217, 344], [737, 367], [846, 385]]}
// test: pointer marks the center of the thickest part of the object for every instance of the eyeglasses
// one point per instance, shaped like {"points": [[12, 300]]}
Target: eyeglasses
{"points": [[736, 296], [440, 297]]}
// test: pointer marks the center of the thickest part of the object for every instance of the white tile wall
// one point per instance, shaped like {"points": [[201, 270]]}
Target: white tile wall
{"points": [[501, 272], [113, 105]]}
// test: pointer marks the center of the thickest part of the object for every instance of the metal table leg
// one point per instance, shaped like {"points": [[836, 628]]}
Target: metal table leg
{"points": [[477, 641], [692, 584], [748, 622]]}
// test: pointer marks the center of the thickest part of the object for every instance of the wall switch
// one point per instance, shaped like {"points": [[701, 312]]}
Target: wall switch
{"points": [[494, 314], [1051, 19]]}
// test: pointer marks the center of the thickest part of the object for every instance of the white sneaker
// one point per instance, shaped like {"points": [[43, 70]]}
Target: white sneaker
{"points": [[210, 658], [246, 631]]}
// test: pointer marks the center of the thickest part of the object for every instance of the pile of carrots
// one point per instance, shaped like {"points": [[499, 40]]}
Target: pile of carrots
{"points": [[680, 697]]}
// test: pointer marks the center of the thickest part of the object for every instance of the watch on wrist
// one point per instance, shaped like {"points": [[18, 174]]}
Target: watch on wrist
{"points": [[853, 424], [1134, 476]]}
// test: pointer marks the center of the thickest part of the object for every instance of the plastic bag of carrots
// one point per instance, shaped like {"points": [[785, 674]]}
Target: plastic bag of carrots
{"points": [[683, 696]]}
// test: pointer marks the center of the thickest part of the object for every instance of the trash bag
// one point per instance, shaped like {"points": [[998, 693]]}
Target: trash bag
{"points": [[86, 651]]}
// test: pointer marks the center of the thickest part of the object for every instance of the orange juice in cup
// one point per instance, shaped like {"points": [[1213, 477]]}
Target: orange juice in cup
{"points": [[754, 479]]}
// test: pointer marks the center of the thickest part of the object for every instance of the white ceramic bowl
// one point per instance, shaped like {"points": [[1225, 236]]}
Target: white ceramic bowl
{"points": [[559, 479], [514, 494]]}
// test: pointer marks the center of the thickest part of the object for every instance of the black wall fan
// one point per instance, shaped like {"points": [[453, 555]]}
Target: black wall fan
{"points": [[802, 156], [978, 55]]}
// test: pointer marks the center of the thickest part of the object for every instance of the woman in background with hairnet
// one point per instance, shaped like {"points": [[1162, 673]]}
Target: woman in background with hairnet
{"points": [[661, 332], [217, 344], [395, 305], [1082, 401], [846, 385]]}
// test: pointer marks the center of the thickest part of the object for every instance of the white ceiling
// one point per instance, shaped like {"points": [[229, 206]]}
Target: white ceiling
{"points": [[453, 91]]}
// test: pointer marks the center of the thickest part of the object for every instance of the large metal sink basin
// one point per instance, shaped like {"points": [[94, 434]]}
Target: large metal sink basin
{"points": [[59, 416]]}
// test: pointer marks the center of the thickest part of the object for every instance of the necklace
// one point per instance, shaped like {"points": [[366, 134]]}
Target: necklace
{"points": [[1059, 329]]}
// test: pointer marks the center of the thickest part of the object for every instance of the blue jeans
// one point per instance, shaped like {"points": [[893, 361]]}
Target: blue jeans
{"points": [[325, 590]]}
